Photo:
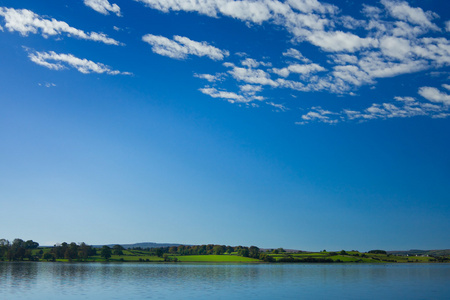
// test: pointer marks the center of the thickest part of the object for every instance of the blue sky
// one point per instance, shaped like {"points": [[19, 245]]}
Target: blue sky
{"points": [[297, 124]]}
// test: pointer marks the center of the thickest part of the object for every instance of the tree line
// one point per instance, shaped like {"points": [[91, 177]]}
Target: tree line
{"points": [[19, 250]]}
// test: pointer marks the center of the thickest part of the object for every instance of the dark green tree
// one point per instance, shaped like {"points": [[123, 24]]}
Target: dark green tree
{"points": [[106, 252], [71, 251], [48, 256], [254, 252], [218, 250], [243, 252], [118, 250]]}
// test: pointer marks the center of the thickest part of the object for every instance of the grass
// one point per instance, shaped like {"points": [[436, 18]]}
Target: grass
{"points": [[215, 258]]}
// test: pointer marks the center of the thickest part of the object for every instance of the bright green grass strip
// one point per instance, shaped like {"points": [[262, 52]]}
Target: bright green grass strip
{"points": [[136, 258], [215, 258], [346, 258], [299, 255]]}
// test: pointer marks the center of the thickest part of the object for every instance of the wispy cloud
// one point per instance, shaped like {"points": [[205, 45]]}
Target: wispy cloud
{"points": [[47, 84], [209, 77], [415, 15], [181, 47], [25, 22], [55, 61], [395, 38], [103, 6], [250, 75], [294, 53], [402, 107], [434, 95], [298, 69], [230, 96], [278, 107]]}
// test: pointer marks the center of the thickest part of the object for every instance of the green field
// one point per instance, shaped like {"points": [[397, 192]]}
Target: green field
{"points": [[353, 257], [139, 255], [215, 258]]}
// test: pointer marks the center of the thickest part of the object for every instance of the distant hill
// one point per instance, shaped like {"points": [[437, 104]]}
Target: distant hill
{"points": [[142, 245], [421, 252]]}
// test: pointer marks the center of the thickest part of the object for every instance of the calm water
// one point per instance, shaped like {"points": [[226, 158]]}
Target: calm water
{"points": [[223, 281]]}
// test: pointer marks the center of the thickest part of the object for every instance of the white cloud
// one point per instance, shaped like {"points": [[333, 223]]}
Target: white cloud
{"points": [[351, 74], [343, 59], [389, 43], [205, 7], [446, 86], [371, 11], [47, 84], [415, 15], [298, 69], [377, 67], [257, 12], [434, 95], [279, 107], [337, 41], [294, 53], [253, 63], [103, 6], [250, 89], [209, 77], [25, 22], [290, 84], [434, 49], [309, 6], [180, 47], [55, 61], [395, 47], [255, 76], [447, 26], [403, 107], [351, 23], [229, 96], [318, 114]]}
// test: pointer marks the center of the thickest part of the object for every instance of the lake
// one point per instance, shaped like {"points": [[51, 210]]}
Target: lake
{"points": [[223, 281]]}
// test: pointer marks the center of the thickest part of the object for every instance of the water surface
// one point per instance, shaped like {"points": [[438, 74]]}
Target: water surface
{"points": [[223, 281]]}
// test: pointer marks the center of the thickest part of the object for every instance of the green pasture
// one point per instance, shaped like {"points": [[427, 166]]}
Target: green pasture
{"points": [[215, 258]]}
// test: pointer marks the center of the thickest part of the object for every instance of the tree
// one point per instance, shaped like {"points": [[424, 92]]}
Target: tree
{"points": [[4, 247], [378, 252], [71, 251], [84, 251], [30, 244], [243, 252], [218, 250], [48, 256], [117, 250], [17, 250], [106, 252], [266, 257], [254, 252], [159, 252]]}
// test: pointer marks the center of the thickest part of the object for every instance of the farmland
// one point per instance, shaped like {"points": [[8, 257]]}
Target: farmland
{"points": [[20, 250]]}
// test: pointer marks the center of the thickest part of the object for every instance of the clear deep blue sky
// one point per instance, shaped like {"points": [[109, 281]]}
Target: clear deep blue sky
{"points": [[297, 124]]}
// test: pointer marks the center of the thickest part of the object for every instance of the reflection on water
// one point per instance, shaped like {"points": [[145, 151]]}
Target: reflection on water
{"points": [[221, 281]]}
